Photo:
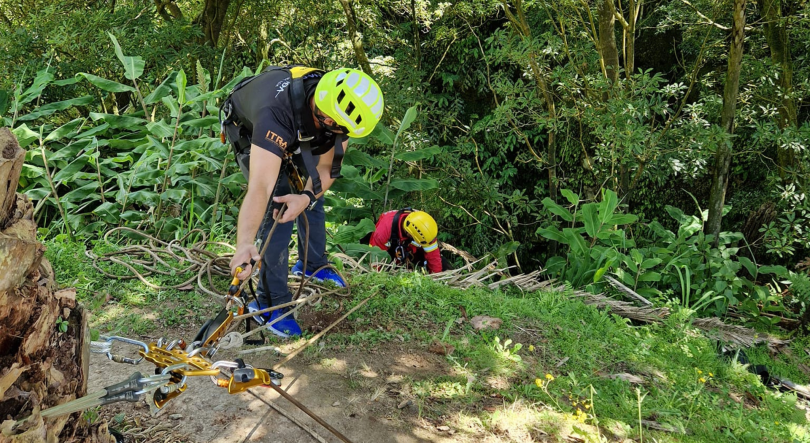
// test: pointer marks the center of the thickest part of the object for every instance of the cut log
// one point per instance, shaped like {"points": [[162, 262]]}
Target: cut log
{"points": [[41, 366], [11, 162]]}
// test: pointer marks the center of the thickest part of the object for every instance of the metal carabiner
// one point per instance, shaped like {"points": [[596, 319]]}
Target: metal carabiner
{"points": [[105, 347], [169, 369]]}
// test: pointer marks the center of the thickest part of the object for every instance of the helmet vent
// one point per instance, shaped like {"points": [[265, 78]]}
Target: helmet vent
{"points": [[350, 108], [359, 119], [340, 96], [340, 82]]}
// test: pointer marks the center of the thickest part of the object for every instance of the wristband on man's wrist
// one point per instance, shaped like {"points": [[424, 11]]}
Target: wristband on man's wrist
{"points": [[312, 200]]}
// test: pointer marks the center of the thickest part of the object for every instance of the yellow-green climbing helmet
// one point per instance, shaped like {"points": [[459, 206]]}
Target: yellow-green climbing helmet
{"points": [[352, 98]]}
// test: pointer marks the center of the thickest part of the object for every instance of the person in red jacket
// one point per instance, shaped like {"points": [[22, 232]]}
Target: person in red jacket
{"points": [[409, 236]]}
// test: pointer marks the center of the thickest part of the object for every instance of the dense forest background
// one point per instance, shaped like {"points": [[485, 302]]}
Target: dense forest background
{"points": [[664, 142]]}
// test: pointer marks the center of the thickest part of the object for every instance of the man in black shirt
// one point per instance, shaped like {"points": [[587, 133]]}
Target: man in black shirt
{"points": [[306, 116]]}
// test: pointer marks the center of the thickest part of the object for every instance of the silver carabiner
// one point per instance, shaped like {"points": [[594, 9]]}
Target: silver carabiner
{"points": [[105, 347]]}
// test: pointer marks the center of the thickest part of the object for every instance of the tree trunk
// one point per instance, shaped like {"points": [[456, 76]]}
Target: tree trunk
{"points": [[607, 39], [776, 35], [40, 366], [722, 160], [357, 42], [416, 40], [211, 19]]}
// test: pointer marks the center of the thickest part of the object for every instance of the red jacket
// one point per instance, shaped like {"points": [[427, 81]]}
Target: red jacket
{"points": [[382, 236]]}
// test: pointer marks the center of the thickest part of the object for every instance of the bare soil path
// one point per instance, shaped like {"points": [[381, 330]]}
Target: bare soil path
{"points": [[360, 393]]}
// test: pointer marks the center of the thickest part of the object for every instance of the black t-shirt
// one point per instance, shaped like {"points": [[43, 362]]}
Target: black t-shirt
{"points": [[263, 106]]}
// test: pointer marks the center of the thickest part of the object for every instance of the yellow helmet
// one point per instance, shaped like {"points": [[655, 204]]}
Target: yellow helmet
{"points": [[421, 227], [352, 99]]}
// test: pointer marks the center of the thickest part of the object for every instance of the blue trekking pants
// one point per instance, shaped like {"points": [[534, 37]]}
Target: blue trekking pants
{"points": [[275, 261]]}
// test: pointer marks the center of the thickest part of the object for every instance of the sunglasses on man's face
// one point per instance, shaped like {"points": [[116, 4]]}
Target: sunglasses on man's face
{"points": [[336, 129]]}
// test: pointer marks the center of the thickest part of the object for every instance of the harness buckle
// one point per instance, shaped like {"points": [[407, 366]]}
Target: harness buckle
{"points": [[305, 139]]}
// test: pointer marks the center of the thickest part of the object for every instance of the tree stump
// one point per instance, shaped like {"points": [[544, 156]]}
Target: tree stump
{"points": [[40, 366]]}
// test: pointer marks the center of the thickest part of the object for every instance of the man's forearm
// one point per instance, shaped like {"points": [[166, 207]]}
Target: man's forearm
{"points": [[251, 215]]}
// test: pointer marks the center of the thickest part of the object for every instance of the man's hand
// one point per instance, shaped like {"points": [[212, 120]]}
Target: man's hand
{"points": [[242, 255], [296, 204]]}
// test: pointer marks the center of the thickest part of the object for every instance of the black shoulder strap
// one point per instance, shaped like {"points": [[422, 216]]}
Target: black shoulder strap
{"points": [[395, 231], [306, 130], [337, 160]]}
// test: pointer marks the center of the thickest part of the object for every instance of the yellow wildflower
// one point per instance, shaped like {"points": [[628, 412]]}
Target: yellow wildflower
{"points": [[702, 380], [699, 371], [538, 382], [549, 377], [531, 348], [711, 375]]}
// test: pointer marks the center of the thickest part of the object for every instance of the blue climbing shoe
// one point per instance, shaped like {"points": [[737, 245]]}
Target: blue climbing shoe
{"points": [[325, 274], [286, 327], [261, 319], [298, 268]]}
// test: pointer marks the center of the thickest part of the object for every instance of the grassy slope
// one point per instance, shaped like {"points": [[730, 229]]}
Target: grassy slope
{"points": [[684, 384]]}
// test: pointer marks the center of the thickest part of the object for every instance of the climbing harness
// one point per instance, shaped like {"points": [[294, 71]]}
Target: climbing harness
{"points": [[397, 248]]}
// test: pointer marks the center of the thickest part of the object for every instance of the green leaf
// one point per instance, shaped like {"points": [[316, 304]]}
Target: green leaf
{"points": [[557, 210], [176, 195], [161, 91], [356, 157], [780, 271], [81, 193], [207, 96], [118, 121], [410, 116], [42, 80], [414, 184], [608, 205], [650, 277], [353, 233], [67, 173], [749, 265], [552, 233], [108, 212], [591, 219], [650, 263], [100, 129], [420, 154], [104, 84], [205, 122], [50, 108], [601, 271], [181, 87], [570, 196], [160, 129], [622, 219], [356, 189], [133, 66], [24, 135], [67, 81], [172, 105], [383, 134], [64, 130], [575, 241]]}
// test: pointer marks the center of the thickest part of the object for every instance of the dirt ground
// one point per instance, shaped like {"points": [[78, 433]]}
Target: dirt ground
{"points": [[359, 393]]}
